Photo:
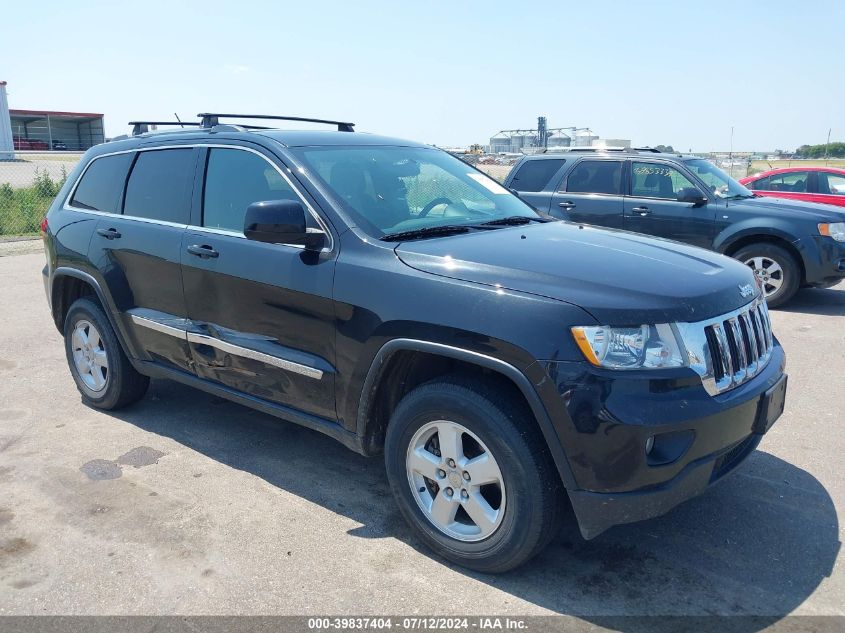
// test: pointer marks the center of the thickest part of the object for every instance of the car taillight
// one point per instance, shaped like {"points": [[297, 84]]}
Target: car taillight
{"points": [[44, 225]]}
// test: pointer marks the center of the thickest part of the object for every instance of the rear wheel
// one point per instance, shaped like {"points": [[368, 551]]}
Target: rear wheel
{"points": [[775, 269], [103, 374], [472, 474]]}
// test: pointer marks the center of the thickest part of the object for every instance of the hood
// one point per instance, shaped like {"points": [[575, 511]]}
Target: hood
{"points": [[787, 207], [621, 278]]}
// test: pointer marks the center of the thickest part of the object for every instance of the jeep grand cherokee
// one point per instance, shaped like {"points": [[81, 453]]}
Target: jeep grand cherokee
{"points": [[387, 294]]}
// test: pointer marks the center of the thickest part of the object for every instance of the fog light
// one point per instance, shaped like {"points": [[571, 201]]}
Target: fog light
{"points": [[649, 444]]}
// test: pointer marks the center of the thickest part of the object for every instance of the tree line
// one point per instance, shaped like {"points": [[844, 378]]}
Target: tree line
{"points": [[831, 150]]}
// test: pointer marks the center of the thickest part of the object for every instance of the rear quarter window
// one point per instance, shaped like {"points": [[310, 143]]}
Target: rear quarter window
{"points": [[534, 175], [101, 184]]}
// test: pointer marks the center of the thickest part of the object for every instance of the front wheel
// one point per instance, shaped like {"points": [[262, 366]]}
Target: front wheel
{"points": [[775, 269], [471, 473]]}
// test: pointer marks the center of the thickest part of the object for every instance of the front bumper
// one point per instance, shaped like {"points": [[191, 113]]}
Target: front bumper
{"points": [[824, 260], [608, 417]]}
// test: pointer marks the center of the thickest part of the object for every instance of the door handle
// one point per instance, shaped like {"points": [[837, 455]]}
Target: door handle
{"points": [[643, 211], [566, 205], [109, 234], [204, 251]]}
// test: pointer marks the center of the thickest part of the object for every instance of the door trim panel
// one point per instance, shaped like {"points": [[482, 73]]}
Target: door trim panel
{"points": [[229, 348], [245, 352]]}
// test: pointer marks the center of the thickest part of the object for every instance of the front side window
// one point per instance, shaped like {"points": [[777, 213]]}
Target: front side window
{"points": [[793, 181], [657, 180], [102, 183], [833, 184], [534, 175], [596, 176], [234, 179], [719, 183], [160, 184], [389, 189]]}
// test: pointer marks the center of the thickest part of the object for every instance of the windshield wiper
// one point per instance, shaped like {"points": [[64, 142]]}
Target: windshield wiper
{"points": [[512, 220], [427, 231]]}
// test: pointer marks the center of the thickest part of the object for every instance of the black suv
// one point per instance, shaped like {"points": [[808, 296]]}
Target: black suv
{"points": [[387, 294], [787, 243]]}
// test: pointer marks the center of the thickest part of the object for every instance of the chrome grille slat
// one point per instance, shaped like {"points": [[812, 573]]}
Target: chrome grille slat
{"points": [[759, 331], [739, 346], [730, 349], [752, 341]]}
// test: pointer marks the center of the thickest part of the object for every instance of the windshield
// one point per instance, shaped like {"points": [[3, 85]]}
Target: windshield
{"points": [[719, 182], [397, 189]]}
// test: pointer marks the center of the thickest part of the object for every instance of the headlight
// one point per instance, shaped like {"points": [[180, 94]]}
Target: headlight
{"points": [[836, 230], [643, 347]]}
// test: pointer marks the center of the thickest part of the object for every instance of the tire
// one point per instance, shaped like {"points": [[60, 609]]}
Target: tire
{"points": [[772, 264], [525, 503], [90, 343]]}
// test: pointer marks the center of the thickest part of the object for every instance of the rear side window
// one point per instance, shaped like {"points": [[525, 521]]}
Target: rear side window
{"points": [[794, 182], [160, 184], [534, 175], [761, 184], [102, 183], [596, 176], [234, 180]]}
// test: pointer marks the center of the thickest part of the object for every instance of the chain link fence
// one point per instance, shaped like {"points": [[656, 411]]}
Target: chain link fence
{"points": [[28, 185], [497, 167]]}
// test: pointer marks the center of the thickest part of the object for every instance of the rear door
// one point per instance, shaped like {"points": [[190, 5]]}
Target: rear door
{"points": [[591, 193], [261, 315], [536, 179], [793, 185], [138, 252], [652, 205]]}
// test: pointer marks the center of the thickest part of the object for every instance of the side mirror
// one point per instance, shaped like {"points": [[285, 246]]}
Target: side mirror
{"points": [[692, 196], [281, 222]]}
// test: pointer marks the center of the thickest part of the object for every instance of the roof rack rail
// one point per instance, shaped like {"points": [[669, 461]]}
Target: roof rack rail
{"points": [[597, 149], [210, 119], [653, 150], [141, 127]]}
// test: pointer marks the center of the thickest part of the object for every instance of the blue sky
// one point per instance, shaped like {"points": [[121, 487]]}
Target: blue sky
{"points": [[448, 73]]}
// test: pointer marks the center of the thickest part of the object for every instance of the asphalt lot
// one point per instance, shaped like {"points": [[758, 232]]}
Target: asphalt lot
{"points": [[188, 504]]}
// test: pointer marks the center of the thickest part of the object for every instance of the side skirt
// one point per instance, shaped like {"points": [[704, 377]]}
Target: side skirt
{"points": [[289, 414]]}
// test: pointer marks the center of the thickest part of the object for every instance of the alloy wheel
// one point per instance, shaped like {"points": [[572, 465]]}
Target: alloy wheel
{"points": [[768, 272], [455, 481], [89, 356]]}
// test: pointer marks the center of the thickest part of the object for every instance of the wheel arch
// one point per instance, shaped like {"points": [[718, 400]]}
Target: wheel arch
{"points": [[397, 368], [735, 245], [68, 285]]}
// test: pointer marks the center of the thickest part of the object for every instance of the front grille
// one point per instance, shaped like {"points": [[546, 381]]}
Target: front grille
{"points": [[729, 350]]}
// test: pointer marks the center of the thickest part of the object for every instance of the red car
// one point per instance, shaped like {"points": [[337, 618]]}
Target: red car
{"points": [[811, 184], [28, 143]]}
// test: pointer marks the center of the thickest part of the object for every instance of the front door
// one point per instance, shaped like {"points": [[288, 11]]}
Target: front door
{"points": [[652, 206], [138, 252], [261, 315], [591, 193]]}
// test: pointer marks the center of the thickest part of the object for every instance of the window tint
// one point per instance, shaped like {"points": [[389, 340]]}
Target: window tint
{"points": [[234, 179], [760, 184], [160, 185], [654, 180], [102, 183], [833, 184], [794, 181], [596, 176], [395, 189], [534, 175]]}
